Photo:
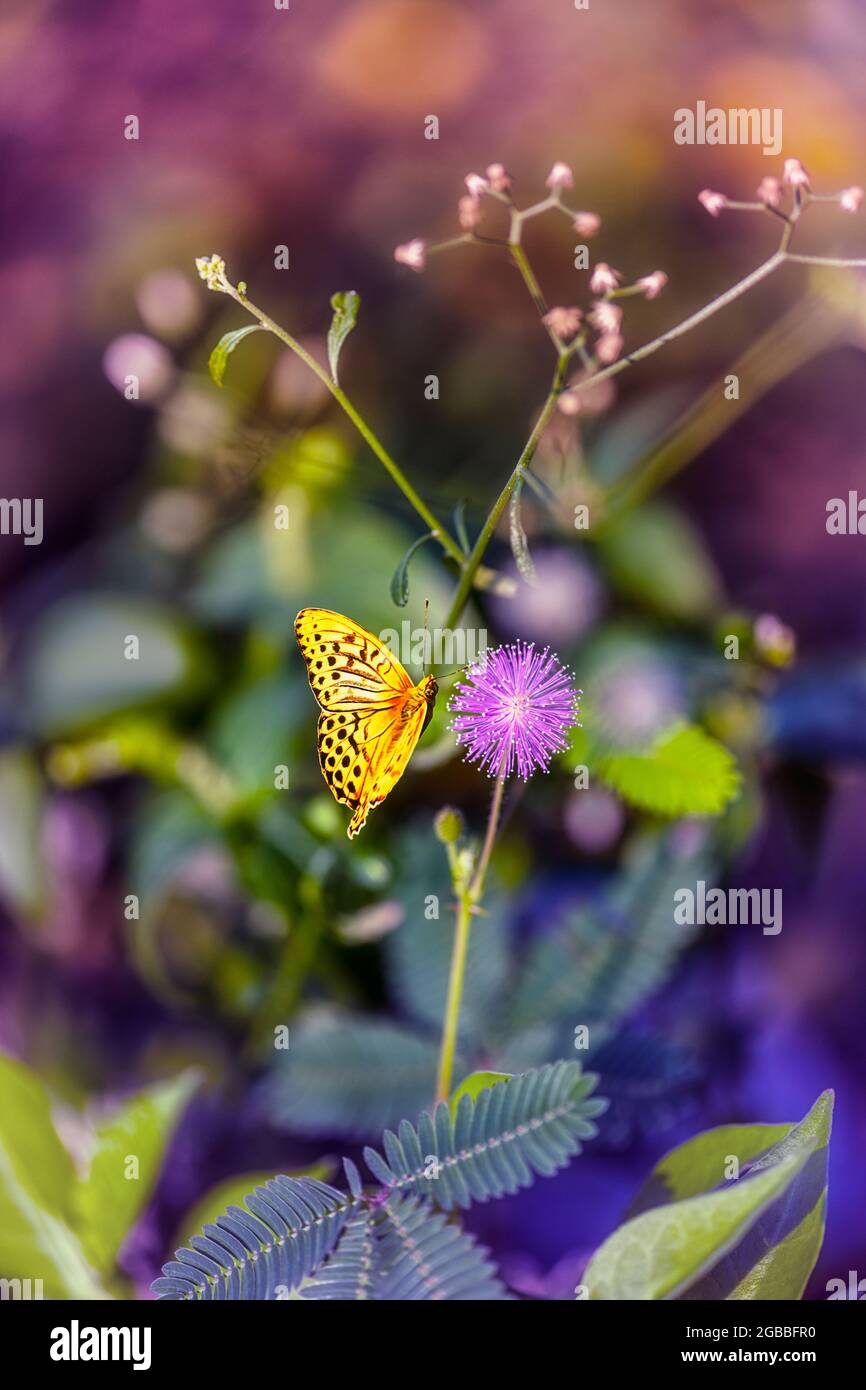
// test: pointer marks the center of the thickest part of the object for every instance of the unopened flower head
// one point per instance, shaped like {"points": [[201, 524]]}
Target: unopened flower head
{"points": [[212, 270], [608, 348], [587, 223], [412, 253], [469, 212], [771, 191], [606, 317], [476, 185], [514, 710], [498, 177], [604, 278], [652, 285], [794, 174], [850, 199], [774, 640], [560, 176], [564, 322], [712, 201], [448, 825]]}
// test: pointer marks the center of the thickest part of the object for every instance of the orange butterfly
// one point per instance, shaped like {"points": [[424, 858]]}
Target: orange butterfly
{"points": [[372, 715]]}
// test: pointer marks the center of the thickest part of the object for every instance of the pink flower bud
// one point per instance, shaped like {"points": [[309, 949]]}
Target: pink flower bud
{"points": [[498, 177], [713, 202], [563, 322], [608, 348], [476, 185], [795, 175], [770, 191], [604, 278], [587, 223], [850, 199], [606, 317], [560, 176], [412, 253], [652, 285], [469, 212], [569, 403]]}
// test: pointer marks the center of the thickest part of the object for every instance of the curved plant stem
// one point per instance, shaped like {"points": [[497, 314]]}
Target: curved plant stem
{"points": [[375, 444], [470, 568], [468, 898]]}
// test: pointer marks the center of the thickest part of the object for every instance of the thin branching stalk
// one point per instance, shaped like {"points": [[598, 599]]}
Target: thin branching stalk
{"points": [[366, 433], [470, 568]]}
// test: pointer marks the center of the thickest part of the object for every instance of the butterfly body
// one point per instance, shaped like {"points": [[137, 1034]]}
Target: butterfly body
{"points": [[372, 714]]}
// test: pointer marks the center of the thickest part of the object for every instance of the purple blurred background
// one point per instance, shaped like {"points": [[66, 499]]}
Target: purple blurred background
{"points": [[261, 127]]}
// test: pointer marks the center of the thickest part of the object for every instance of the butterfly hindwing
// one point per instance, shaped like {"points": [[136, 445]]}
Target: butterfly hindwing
{"points": [[363, 754]]}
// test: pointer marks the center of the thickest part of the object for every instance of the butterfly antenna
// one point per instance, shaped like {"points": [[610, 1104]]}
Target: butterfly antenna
{"points": [[446, 675], [427, 643]]}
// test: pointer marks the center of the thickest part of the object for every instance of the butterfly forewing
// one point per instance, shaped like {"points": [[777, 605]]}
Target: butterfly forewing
{"points": [[346, 665]]}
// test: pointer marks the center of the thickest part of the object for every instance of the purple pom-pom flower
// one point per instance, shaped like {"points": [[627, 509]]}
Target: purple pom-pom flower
{"points": [[514, 709]]}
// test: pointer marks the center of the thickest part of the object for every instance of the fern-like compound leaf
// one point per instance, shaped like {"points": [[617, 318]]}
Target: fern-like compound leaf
{"points": [[423, 1256], [605, 960], [262, 1250], [349, 1074], [350, 1274], [495, 1143]]}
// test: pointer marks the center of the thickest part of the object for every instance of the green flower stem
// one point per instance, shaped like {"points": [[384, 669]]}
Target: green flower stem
{"points": [[476, 887], [339, 395], [518, 255], [455, 994], [469, 895], [470, 568]]}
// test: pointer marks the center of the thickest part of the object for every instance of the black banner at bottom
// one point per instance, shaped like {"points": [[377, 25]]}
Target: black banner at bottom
{"points": [[83, 1339]]}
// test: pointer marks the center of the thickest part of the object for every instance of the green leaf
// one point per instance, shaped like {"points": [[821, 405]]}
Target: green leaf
{"points": [[22, 873], [606, 959], [109, 1201], [460, 525], [519, 543], [351, 1273], [424, 1256], [525, 1125], [263, 1249], [655, 556], [661, 1253], [418, 955], [231, 1192], [219, 358], [349, 1074], [75, 670], [400, 578], [684, 772], [474, 1084], [345, 305], [36, 1181], [776, 1257]]}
